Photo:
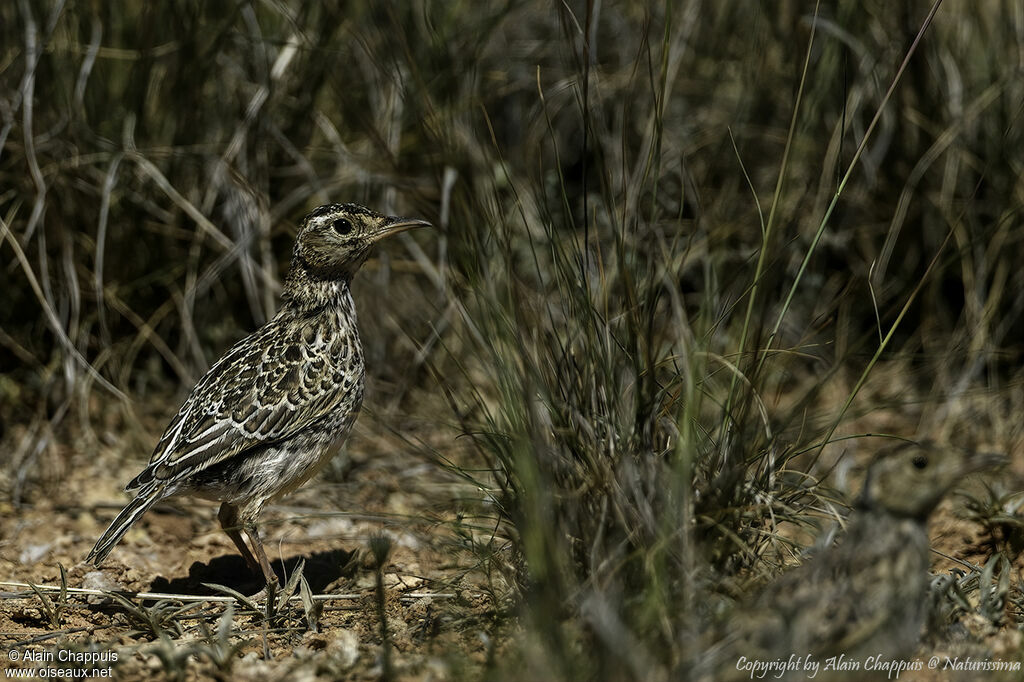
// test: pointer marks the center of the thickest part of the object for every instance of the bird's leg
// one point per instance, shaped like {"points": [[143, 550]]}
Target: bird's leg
{"points": [[257, 544], [229, 521]]}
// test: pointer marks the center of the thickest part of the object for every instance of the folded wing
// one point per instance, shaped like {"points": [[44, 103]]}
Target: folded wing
{"points": [[269, 386]]}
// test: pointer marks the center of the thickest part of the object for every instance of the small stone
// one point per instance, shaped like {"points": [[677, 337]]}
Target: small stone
{"points": [[344, 648], [98, 580], [33, 553]]}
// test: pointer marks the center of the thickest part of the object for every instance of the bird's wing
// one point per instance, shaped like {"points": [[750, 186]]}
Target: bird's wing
{"points": [[268, 386]]}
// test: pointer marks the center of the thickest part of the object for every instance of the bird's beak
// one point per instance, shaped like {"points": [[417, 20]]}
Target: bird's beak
{"points": [[394, 225]]}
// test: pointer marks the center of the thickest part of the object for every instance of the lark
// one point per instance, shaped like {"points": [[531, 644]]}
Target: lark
{"points": [[867, 596], [279, 404]]}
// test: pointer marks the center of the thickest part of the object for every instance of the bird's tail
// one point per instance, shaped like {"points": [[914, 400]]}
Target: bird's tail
{"points": [[120, 525]]}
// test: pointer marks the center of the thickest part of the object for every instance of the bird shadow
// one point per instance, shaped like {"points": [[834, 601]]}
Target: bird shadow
{"points": [[230, 570]]}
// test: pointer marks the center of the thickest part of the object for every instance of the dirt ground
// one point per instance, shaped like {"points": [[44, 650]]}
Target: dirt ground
{"points": [[446, 614], [440, 610]]}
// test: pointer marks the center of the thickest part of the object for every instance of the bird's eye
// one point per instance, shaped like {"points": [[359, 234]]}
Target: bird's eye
{"points": [[342, 226], [920, 462]]}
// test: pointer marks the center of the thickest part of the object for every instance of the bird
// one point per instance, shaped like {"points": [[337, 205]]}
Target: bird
{"points": [[280, 402], [867, 596]]}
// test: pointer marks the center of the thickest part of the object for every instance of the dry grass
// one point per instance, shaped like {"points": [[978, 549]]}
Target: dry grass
{"points": [[687, 258]]}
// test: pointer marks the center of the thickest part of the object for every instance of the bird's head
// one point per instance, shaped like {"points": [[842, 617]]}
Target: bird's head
{"points": [[334, 240], [910, 479]]}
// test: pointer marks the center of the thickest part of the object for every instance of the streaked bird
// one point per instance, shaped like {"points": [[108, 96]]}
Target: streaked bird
{"points": [[278, 405], [868, 595]]}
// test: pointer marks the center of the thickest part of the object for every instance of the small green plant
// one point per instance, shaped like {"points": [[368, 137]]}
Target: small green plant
{"points": [[250, 603], [154, 621], [218, 647], [54, 609], [312, 608], [994, 589], [998, 512], [174, 656], [276, 603], [983, 590]]}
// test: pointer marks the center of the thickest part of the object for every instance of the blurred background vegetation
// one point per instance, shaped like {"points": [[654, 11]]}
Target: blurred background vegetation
{"points": [[678, 248]]}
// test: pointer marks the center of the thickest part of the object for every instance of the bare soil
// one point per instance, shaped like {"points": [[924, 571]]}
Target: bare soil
{"points": [[440, 614], [447, 616]]}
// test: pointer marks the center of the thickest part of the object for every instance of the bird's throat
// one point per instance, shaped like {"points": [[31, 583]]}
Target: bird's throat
{"points": [[308, 294]]}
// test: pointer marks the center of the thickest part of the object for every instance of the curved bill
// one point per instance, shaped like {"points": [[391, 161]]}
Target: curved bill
{"points": [[395, 224]]}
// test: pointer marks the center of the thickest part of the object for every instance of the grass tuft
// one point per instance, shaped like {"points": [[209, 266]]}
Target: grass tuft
{"points": [[691, 263]]}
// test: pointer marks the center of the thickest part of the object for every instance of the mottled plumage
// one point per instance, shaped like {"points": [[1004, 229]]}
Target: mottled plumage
{"points": [[277, 406], [868, 595]]}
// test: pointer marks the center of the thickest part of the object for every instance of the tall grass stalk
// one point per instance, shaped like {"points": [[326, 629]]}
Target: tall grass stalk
{"points": [[646, 367]]}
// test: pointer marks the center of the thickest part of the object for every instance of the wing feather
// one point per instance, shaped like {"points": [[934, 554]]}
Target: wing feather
{"points": [[269, 386]]}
